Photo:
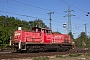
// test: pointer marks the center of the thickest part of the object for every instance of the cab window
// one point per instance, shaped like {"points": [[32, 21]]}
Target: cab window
{"points": [[34, 30], [48, 31], [39, 30]]}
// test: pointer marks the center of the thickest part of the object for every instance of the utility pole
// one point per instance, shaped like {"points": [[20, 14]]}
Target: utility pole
{"points": [[5, 20], [50, 13], [69, 19], [85, 29], [88, 13]]}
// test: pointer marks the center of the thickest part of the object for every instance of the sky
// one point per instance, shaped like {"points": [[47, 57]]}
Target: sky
{"points": [[31, 10]]}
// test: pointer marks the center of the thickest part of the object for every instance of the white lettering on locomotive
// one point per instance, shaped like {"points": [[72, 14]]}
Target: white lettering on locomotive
{"points": [[57, 37], [17, 33]]}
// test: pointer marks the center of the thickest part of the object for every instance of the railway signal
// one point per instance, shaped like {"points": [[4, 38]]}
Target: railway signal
{"points": [[64, 26]]}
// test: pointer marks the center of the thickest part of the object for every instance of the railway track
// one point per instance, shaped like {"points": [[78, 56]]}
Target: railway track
{"points": [[10, 55]]}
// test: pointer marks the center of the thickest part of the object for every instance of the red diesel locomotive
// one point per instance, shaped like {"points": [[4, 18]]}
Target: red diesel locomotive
{"points": [[41, 39]]}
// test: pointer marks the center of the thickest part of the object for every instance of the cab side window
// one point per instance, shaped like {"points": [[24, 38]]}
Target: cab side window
{"points": [[34, 30], [48, 31], [39, 30]]}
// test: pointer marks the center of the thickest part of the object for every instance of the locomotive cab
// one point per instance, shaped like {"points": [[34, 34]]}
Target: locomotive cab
{"points": [[46, 30], [36, 29]]}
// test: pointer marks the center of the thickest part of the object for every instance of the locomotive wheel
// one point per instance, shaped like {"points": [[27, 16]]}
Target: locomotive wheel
{"points": [[59, 49], [68, 48], [42, 49], [15, 50], [29, 49], [65, 48]]}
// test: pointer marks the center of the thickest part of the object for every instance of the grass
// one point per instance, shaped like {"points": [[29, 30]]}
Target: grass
{"points": [[70, 55], [74, 55], [60, 56], [41, 58]]}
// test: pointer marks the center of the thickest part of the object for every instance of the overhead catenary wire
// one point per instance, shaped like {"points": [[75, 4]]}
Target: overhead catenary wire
{"points": [[23, 15], [18, 14], [29, 15], [34, 6], [76, 8], [29, 6], [50, 10], [73, 6], [16, 9], [38, 7]]}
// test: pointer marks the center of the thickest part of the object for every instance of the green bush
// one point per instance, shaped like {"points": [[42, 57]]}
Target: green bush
{"points": [[88, 45], [41, 58]]}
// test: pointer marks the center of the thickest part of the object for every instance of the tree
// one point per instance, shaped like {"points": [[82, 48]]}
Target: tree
{"points": [[25, 25], [71, 36], [4, 38], [82, 40], [38, 23]]}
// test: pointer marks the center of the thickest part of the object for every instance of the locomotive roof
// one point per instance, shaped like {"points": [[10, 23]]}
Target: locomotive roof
{"points": [[42, 28]]}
